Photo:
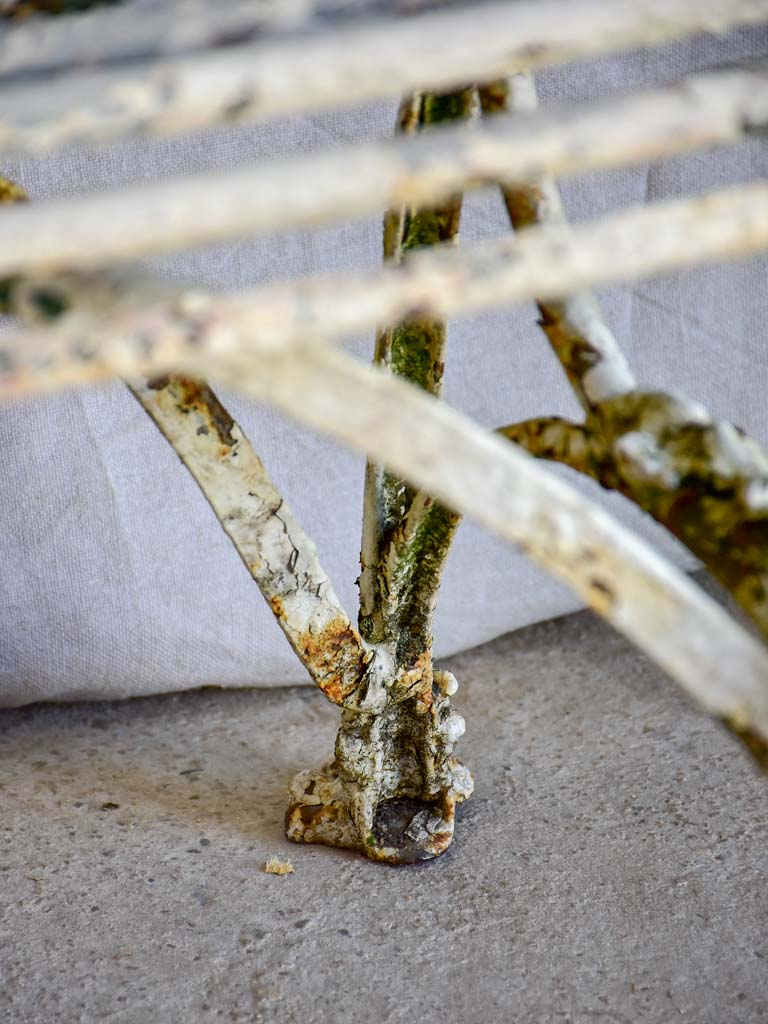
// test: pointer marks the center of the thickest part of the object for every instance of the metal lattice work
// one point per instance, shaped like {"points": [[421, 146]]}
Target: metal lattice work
{"points": [[153, 67]]}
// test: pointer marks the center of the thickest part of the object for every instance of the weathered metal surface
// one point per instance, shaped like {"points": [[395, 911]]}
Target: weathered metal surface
{"points": [[161, 325], [342, 66], [398, 731], [277, 553], [121, 30], [452, 458], [636, 590], [445, 455], [574, 324], [414, 350], [354, 180], [392, 787], [140, 29], [706, 481]]}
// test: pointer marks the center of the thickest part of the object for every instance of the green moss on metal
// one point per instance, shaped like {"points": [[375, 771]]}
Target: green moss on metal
{"points": [[446, 106], [417, 348], [431, 226], [420, 568], [706, 482], [415, 351]]}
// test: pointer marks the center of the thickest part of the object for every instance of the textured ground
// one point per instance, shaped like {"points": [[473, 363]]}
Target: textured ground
{"points": [[612, 866]]}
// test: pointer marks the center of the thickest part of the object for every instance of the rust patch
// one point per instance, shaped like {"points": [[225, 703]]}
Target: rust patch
{"points": [[523, 205], [308, 814], [195, 396], [335, 659], [311, 815], [493, 97], [416, 681]]}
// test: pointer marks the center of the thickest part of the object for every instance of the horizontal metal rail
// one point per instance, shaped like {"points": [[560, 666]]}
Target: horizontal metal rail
{"points": [[88, 231], [346, 65]]}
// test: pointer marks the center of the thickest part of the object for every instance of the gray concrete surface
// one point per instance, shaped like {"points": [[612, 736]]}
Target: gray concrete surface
{"points": [[612, 866]]}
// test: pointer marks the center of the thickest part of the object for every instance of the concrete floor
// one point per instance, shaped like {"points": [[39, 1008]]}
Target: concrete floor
{"points": [[611, 867]]}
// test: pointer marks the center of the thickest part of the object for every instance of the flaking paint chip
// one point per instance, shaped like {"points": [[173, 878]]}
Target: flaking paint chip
{"points": [[275, 866]]}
